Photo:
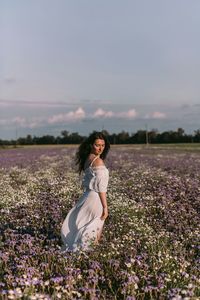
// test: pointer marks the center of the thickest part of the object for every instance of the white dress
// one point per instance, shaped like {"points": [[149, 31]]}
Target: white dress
{"points": [[82, 224]]}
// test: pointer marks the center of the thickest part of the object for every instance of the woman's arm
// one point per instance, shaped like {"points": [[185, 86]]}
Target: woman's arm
{"points": [[102, 196]]}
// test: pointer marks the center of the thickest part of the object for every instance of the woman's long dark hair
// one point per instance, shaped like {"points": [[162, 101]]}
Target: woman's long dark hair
{"points": [[86, 146]]}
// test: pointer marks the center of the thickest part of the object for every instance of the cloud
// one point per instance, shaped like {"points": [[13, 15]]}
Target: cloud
{"points": [[100, 113], [19, 121], [72, 116], [130, 114], [37, 122], [155, 115], [158, 115], [22, 122], [75, 115], [79, 114]]}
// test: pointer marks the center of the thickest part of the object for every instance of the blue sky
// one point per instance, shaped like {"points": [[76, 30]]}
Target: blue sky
{"points": [[84, 65]]}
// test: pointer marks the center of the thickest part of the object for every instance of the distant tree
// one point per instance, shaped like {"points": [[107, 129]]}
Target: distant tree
{"points": [[65, 133], [197, 136], [180, 131], [35, 140], [165, 137], [21, 141], [140, 137], [178, 136], [58, 140], [65, 137], [152, 135], [113, 138], [29, 140], [123, 137], [74, 138], [105, 132], [46, 139]]}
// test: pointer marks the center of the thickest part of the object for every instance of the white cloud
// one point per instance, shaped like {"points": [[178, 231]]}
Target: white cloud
{"points": [[130, 114], [19, 121], [102, 113], [75, 115], [22, 122], [156, 115], [79, 114], [36, 122], [159, 115]]}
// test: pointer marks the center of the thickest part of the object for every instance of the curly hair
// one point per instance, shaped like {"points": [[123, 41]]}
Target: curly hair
{"points": [[85, 149]]}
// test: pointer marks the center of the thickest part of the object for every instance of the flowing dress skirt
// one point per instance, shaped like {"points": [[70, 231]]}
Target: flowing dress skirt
{"points": [[82, 224]]}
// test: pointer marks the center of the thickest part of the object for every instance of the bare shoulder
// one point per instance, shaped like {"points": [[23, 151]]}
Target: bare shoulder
{"points": [[98, 162], [89, 160]]}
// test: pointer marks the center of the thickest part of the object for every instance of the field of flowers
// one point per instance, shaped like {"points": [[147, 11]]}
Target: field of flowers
{"points": [[150, 244]]}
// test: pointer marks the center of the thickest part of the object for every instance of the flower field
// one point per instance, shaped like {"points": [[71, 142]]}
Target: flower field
{"points": [[150, 244]]}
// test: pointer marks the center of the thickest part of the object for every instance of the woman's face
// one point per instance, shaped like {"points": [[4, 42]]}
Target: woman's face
{"points": [[98, 147]]}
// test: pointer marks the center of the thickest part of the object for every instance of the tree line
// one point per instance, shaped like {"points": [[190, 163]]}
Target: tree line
{"points": [[139, 137]]}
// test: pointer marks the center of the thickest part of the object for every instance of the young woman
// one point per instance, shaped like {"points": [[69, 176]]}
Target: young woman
{"points": [[83, 225]]}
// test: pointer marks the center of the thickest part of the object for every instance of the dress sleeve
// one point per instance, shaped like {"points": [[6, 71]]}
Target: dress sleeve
{"points": [[100, 181]]}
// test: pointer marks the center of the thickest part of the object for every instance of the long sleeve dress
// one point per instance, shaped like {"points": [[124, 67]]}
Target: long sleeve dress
{"points": [[82, 223]]}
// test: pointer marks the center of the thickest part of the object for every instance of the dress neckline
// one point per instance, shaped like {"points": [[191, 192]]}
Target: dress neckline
{"points": [[95, 167], [93, 160], [90, 167]]}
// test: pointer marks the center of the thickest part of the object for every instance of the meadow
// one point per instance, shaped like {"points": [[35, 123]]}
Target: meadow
{"points": [[150, 244]]}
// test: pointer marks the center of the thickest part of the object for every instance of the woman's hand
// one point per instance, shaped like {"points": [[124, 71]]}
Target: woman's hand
{"points": [[104, 214]]}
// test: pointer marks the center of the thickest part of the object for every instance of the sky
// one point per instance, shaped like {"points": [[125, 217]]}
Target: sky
{"points": [[84, 65]]}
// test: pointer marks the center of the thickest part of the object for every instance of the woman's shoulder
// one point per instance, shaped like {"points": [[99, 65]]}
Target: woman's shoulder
{"points": [[98, 162], [93, 161], [99, 167]]}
